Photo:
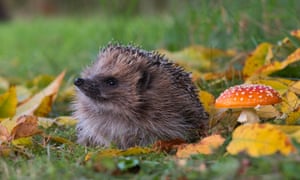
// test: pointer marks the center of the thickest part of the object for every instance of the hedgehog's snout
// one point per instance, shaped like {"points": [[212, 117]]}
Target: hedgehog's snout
{"points": [[79, 82]]}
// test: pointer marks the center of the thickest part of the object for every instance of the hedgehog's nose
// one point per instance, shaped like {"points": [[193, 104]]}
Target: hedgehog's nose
{"points": [[78, 82]]}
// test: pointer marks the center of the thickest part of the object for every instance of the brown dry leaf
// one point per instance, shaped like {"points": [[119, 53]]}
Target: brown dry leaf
{"points": [[259, 140], [207, 100], [206, 146], [167, 146], [26, 126], [257, 59], [30, 106], [8, 103], [4, 134]]}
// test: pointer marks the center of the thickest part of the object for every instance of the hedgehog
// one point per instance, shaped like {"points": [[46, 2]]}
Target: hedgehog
{"points": [[132, 97]]}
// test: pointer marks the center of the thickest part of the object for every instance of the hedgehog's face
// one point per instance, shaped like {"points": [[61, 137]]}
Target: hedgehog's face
{"points": [[119, 90], [99, 89]]}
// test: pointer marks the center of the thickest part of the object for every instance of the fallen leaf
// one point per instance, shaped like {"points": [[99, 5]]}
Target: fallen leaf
{"points": [[65, 121], [167, 146], [296, 33], [59, 140], [276, 65], [290, 102], [257, 59], [295, 87], [26, 126], [259, 140], [292, 131], [29, 107], [207, 100], [135, 151], [267, 112], [4, 134], [8, 103], [118, 152], [23, 141], [293, 117], [206, 146], [45, 106], [45, 122]]}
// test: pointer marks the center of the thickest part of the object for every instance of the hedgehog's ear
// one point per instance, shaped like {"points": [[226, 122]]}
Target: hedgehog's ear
{"points": [[144, 81]]}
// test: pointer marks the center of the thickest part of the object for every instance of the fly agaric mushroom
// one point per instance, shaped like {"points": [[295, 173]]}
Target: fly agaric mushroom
{"points": [[248, 97]]}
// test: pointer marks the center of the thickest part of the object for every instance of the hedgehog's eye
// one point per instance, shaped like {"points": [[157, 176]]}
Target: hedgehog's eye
{"points": [[111, 81]]}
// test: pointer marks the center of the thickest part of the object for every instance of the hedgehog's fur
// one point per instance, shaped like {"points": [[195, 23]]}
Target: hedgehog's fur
{"points": [[132, 97]]}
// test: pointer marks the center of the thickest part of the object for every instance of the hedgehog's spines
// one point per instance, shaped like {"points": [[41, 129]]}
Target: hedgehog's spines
{"points": [[154, 57]]}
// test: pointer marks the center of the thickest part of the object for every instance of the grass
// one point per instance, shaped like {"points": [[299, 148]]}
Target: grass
{"points": [[35, 46]]}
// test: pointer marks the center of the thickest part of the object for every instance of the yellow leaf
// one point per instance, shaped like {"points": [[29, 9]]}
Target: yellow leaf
{"points": [[296, 136], [135, 151], [288, 129], [60, 140], [9, 124], [45, 122], [207, 100], [293, 117], [24, 141], [291, 131], [32, 104], [257, 59], [205, 146], [44, 107], [65, 121], [119, 152], [290, 102], [295, 87], [259, 140], [8, 103], [276, 66]]}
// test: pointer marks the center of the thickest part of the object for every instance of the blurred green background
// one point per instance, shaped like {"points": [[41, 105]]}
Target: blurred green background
{"points": [[48, 36]]}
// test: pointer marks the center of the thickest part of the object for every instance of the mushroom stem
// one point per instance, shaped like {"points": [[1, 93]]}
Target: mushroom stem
{"points": [[248, 116]]}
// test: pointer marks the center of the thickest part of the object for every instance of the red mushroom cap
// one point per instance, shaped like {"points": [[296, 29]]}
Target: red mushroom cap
{"points": [[247, 95]]}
